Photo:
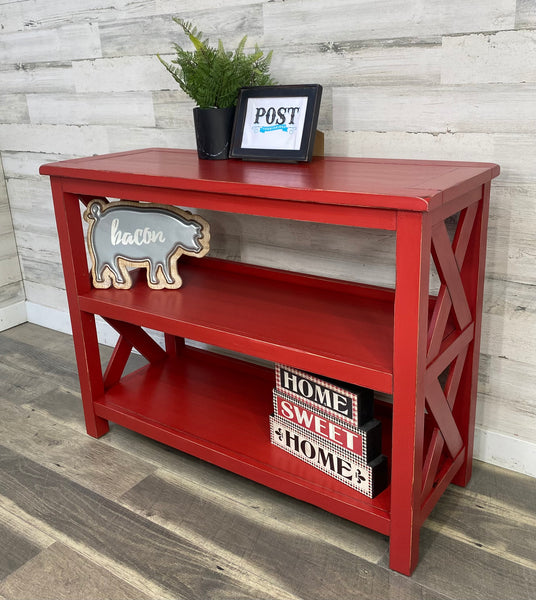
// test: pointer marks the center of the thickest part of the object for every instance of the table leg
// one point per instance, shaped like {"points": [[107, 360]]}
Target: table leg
{"points": [[410, 333], [77, 281]]}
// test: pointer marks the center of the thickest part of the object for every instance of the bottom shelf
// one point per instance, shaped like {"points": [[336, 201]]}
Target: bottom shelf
{"points": [[217, 408]]}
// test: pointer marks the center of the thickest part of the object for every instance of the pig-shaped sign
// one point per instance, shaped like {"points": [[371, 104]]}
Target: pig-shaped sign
{"points": [[127, 234]]}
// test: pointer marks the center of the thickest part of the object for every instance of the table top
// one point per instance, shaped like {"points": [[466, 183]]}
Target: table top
{"points": [[416, 185]]}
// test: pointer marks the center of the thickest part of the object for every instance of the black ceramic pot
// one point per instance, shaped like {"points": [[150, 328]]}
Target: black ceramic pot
{"points": [[213, 128]]}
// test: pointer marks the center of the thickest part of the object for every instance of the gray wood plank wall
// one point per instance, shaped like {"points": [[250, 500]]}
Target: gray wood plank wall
{"points": [[12, 309], [402, 78]]}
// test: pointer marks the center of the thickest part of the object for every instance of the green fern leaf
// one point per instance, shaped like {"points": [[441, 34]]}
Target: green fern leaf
{"points": [[212, 76]]}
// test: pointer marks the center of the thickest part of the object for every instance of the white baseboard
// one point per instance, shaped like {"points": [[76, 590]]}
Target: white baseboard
{"points": [[48, 317], [13, 315], [490, 446], [505, 451], [60, 321]]}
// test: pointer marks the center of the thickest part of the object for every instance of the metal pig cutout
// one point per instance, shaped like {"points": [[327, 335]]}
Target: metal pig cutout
{"points": [[129, 234]]}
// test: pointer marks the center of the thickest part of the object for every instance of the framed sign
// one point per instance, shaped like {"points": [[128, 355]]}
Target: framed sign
{"points": [[276, 123]]}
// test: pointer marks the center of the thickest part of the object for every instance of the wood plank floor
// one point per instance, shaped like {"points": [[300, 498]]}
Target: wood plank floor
{"points": [[124, 517]]}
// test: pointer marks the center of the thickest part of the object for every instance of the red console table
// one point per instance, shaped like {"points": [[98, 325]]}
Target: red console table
{"points": [[420, 348]]}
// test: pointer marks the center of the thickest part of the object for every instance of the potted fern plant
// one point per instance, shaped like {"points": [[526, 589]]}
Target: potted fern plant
{"points": [[212, 77]]}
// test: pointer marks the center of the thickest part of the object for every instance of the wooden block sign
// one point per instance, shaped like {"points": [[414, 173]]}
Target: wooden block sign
{"points": [[367, 478], [131, 234], [365, 442], [343, 402]]}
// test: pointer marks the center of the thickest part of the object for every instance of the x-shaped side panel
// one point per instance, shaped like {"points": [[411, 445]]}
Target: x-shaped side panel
{"points": [[449, 261]]}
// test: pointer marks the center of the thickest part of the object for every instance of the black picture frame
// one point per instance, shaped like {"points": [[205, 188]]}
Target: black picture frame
{"points": [[288, 114]]}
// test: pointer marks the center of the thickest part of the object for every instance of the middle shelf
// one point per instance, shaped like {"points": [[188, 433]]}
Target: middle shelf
{"points": [[339, 329]]}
